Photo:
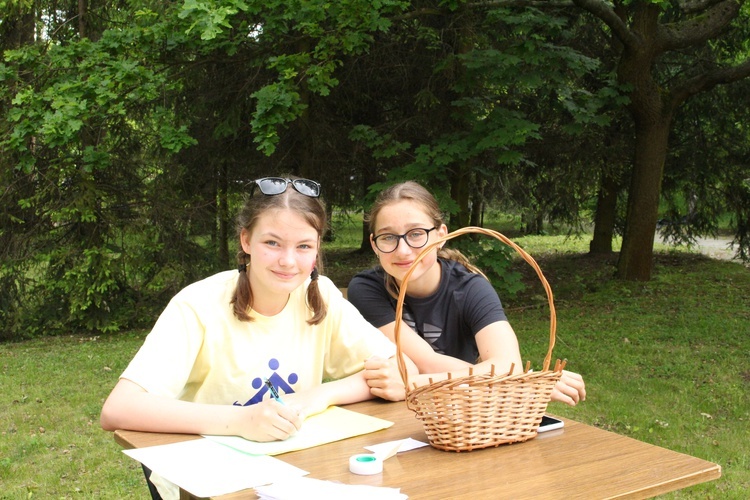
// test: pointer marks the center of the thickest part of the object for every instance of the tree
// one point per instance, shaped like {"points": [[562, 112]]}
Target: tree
{"points": [[645, 32], [81, 124]]}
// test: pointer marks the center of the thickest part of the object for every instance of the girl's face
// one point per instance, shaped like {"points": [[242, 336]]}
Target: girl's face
{"points": [[283, 248], [399, 218]]}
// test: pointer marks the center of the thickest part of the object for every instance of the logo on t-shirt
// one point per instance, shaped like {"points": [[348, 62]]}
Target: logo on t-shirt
{"points": [[281, 385]]}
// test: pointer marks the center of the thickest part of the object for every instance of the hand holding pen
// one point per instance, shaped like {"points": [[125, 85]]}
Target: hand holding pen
{"points": [[274, 392], [268, 421]]}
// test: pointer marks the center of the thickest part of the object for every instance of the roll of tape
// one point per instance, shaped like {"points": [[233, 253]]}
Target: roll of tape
{"points": [[365, 464]]}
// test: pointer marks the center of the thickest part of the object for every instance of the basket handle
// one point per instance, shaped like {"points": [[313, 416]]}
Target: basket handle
{"points": [[489, 232]]}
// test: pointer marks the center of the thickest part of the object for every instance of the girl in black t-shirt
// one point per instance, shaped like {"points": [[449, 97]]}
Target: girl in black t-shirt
{"points": [[453, 318]]}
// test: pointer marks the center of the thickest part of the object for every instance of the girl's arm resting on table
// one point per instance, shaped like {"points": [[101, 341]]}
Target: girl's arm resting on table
{"points": [[420, 352], [351, 389], [498, 347], [130, 407]]}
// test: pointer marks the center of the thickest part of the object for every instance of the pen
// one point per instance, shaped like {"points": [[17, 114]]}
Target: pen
{"points": [[271, 388]]}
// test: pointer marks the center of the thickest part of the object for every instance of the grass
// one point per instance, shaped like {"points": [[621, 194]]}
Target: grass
{"points": [[664, 362]]}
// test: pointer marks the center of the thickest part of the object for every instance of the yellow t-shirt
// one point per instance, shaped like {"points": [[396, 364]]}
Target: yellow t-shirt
{"points": [[199, 351]]}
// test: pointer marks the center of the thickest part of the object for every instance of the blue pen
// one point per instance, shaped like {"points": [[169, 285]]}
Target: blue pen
{"points": [[271, 388]]}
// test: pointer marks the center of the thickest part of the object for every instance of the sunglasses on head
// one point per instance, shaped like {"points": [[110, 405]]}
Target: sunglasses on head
{"points": [[271, 186]]}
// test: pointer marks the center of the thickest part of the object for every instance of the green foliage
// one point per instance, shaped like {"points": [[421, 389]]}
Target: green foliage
{"points": [[124, 148], [278, 104], [326, 31], [83, 120], [382, 145], [496, 260], [210, 19]]}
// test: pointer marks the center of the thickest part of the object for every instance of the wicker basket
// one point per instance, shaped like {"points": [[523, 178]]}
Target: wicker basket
{"points": [[478, 411]]}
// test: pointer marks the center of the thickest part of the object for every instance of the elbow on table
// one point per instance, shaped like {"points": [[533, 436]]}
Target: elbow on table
{"points": [[108, 417]]}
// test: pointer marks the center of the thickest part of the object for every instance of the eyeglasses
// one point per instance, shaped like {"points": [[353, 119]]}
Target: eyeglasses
{"points": [[415, 238], [271, 186]]}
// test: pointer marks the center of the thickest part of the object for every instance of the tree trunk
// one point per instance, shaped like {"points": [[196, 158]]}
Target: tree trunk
{"points": [[82, 15], [477, 207], [651, 119], [223, 215], [369, 177], [636, 255], [460, 194], [645, 33], [604, 219]]}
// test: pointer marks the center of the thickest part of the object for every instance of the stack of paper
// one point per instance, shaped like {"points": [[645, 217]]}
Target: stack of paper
{"points": [[206, 469], [224, 464]]}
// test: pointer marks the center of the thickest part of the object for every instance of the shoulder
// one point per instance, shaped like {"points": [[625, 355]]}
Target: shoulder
{"points": [[329, 292], [219, 286], [373, 277], [368, 294], [457, 274], [327, 287], [460, 279]]}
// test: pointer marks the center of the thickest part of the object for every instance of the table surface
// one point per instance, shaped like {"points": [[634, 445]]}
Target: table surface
{"points": [[578, 461]]}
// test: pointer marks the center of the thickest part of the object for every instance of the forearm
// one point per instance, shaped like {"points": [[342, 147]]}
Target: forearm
{"points": [[351, 389], [141, 411], [437, 363]]}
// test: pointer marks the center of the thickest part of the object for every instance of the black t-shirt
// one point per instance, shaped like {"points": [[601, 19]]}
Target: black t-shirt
{"points": [[449, 319]]}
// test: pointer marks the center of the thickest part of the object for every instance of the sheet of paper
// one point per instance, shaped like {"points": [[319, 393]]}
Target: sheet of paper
{"points": [[205, 468], [305, 487], [407, 444], [334, 424]]}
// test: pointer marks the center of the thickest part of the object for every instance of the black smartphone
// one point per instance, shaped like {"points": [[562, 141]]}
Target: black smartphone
{"points": [[550, 423]]}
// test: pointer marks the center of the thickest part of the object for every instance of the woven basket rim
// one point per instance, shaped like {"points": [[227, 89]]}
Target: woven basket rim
{"points": [[405, 282]]}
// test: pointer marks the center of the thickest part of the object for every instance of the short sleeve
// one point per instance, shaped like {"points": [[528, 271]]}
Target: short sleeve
{"points": [[164, 362], [354, 339], [368, 294], [482, 306]]}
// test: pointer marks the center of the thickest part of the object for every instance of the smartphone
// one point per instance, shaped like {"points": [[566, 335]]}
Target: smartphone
{"points": [[550, 423]]}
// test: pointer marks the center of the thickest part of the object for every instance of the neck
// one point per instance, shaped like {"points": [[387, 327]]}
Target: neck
{"points": [[270, 306], [427, 284]]}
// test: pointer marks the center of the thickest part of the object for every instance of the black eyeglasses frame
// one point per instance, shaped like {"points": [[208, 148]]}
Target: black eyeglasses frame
{"points": [[306, 187], [403, 237]]}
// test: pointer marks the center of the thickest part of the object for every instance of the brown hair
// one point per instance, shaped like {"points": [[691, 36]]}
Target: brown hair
{"points": [[313, 211], [414, 192]]}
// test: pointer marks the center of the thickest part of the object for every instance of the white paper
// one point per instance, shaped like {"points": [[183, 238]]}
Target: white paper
{"points": [[205, 468], [334, 424], [404, 445], [305, 487]]}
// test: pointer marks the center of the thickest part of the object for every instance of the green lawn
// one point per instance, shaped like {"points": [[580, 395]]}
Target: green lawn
{"points": [[665, 362]]}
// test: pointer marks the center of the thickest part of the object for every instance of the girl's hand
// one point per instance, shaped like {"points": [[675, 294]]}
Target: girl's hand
{"points": [[269, 420], [384, 379], [570, 389]]}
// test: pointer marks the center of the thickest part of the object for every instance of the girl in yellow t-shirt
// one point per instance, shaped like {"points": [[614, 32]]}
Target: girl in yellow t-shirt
{"points": [[202, 368]]}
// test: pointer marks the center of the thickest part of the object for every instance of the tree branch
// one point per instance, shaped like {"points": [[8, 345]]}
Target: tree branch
{"points": [[693, 6], [700, 28], [488, 4], [707, 81], [522, 3], [603, 11]]}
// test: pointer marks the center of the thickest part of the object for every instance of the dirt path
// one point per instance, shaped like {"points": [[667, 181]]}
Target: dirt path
{"points": [[718, 248]]}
